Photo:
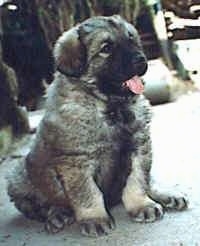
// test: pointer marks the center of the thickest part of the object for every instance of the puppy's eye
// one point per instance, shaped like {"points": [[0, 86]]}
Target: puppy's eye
{"points": [[106, 48]]}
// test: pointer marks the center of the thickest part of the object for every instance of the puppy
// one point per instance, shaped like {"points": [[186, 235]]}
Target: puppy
{"points": [[93, 146]]}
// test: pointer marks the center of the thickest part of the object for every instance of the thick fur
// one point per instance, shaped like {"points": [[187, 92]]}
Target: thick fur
{"points": [[93, 146]]}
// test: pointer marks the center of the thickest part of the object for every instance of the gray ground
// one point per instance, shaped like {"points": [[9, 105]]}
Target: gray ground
{"points": [[176, 136]]}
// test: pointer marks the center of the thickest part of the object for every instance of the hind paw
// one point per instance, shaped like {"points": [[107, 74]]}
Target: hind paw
{"points": [[31, 208], [57, 219]]}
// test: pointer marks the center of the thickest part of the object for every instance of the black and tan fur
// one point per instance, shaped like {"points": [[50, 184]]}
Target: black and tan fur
{"points": [[93, 146]]}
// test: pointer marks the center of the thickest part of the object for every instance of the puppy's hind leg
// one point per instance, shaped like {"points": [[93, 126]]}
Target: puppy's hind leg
{"points": [[34, 205], [26, 199]]}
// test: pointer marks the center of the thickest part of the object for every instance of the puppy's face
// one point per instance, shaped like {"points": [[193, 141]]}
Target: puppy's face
{"points": [[105, 48]]}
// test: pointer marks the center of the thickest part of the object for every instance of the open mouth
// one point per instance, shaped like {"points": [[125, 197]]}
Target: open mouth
{"points": [[134, 84]]}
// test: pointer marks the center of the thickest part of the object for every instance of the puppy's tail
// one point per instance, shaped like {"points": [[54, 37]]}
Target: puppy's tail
{"points": [[25, 197]]}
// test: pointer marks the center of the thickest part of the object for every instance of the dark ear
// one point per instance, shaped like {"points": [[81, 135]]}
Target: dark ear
{"points": [[70, 53]]}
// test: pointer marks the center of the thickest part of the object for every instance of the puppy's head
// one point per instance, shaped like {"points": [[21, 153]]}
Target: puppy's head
{"points": [[105, 48]]}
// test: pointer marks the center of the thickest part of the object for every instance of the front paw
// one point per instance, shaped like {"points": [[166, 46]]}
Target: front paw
{"points": [[169, 201], [147, 213], [97, 226], [175, 203]]}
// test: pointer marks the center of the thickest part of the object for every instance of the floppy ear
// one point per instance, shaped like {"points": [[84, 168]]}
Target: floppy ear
{"points": [[70, 53]]}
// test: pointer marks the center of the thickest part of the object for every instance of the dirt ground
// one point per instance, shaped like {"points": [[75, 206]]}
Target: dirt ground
{"points": [[176, 167]]}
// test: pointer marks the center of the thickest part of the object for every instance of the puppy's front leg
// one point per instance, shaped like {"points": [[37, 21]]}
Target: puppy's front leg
{"points": [[140, 207], [86, 200]]}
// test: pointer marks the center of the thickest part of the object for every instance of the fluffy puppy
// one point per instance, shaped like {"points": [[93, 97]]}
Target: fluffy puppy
{"points": [[93, 146]]}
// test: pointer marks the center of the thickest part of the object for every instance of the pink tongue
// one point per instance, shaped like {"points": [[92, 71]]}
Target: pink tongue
{"points": [[135, 85]]}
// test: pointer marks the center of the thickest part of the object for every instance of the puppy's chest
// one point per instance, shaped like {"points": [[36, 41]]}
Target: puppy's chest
{"points": [[117, 117], [118, 113]]}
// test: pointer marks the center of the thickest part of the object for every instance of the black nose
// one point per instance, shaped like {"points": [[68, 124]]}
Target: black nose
{"points": [[139, 63]]}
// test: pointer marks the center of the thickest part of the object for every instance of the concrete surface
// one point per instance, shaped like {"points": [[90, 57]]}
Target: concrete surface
{"points": [[176, 136]]}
